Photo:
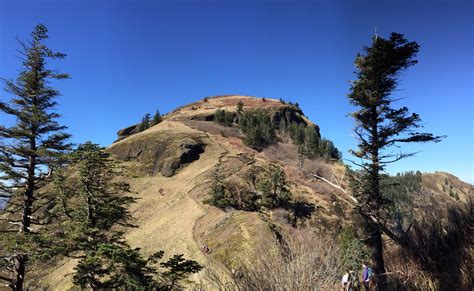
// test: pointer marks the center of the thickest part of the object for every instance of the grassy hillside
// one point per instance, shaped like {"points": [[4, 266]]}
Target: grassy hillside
{"points": [[170, 168]]}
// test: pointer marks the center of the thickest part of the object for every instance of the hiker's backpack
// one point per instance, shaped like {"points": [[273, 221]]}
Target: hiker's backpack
{"points": [[370, 272]]}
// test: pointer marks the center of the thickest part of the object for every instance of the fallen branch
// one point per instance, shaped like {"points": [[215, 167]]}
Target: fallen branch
{"points": [[335, 186]]}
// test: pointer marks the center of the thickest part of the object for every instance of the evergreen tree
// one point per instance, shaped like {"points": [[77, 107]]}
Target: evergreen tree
{"points": [[103, 201], [178, 269], [380, 126], [220, 116], [311, 142], [399, 191], [298, 138], [145, 124], [219, 197], [258, 129], [30, 149], [274, 189], [328, 150], [156, 118], [354, 252], [96, 205]]}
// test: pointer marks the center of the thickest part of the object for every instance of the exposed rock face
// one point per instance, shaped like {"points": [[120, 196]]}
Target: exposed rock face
{"points": [[188, 151], [160, 152], [123, 133]]}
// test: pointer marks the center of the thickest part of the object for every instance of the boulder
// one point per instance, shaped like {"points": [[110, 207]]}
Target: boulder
{"points": [[123, 133]]}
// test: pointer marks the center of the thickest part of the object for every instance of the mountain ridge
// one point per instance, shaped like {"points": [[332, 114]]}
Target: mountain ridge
{"points": [[170, 169]]}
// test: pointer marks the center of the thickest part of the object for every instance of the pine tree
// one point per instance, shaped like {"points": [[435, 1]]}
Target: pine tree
{"points": [[30, 149], [274, 188], [104, 202], [378, 127], [96, 204], [258, 129], [311, 142], [145, 123], [219, 197], [156, 118], [178, 269]]}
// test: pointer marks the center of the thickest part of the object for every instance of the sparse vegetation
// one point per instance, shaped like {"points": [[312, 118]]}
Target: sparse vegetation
{"points": [[268, 189], [307, 261]]}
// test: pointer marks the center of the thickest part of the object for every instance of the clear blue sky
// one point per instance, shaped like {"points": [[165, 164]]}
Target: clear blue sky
{"points": [[127, 58]]}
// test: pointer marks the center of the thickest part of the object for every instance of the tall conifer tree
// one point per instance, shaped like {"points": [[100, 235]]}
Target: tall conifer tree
{"points": [[29, 150], [379, 126]]}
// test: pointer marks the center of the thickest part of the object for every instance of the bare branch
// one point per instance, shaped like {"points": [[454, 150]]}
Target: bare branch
{"points": [[336, 186]]}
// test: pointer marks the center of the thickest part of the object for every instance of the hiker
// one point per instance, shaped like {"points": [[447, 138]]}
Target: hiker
{"points": [[206, 249], [367, 274], [345, 282]]}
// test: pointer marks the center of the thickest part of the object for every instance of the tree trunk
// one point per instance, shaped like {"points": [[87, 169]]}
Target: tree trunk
{"points": [[376, 253], [374, 231], [19, 276], [21, 259]]}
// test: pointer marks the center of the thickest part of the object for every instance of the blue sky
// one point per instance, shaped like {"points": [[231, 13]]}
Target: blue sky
{"points": [[127, 58]]}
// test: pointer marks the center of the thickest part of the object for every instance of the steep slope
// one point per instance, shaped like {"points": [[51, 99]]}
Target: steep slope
{"points": [[170, 169]]}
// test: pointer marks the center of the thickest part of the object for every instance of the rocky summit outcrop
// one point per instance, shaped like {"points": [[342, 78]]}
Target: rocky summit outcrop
{"points": [[123, 133], [205, 109]]}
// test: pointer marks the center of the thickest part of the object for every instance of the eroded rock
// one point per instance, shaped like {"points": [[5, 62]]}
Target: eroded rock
{"points": [[160, 152]]}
